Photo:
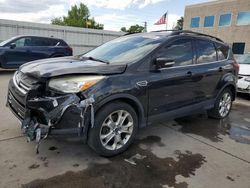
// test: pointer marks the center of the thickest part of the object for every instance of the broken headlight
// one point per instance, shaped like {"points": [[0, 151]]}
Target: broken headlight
{"points": [[73, 84]]}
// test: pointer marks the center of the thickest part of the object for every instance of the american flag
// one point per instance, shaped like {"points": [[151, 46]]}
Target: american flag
{"points": [[162, 20]]}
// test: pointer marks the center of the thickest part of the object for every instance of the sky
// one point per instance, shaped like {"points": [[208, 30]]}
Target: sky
{"points": [[114, 14]]}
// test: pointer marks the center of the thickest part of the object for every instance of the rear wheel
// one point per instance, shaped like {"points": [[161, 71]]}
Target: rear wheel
{"points": [[223, 105], [115, 128]]}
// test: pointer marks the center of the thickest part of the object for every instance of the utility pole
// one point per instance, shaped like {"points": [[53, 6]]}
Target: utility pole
{"points": [[145, 26]]}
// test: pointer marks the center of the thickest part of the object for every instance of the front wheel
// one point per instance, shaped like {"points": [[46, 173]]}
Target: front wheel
{"points": [[222, 106], [115, 128]]}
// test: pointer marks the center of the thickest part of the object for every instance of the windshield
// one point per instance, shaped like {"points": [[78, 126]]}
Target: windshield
{"points": [[125, 49], [243, 59], [7, 41]]}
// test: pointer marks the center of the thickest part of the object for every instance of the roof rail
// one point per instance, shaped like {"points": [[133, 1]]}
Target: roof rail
{"points": [[177, 32]]}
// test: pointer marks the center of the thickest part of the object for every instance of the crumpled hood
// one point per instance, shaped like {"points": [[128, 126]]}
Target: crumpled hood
{"points": [[47, 68], [244, 69]]}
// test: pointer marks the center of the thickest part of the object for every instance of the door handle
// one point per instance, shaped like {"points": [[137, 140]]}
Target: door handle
{"points": [[220, 69], [189, 74]]}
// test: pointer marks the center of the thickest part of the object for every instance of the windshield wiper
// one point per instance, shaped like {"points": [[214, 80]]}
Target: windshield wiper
{"points": [[95, 59]]}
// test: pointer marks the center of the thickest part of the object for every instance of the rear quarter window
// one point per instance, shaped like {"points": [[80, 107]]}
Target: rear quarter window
{"points": [[58, 42], [222, 51]]}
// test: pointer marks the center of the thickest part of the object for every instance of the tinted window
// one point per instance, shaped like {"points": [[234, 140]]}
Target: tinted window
{"points": [[225, 20], [222, 51], [205, 51], [180, 51], [238, 47], [243, 18], [195, 22], [41, 42], [62, 43], [21, 42], [209, 21]]}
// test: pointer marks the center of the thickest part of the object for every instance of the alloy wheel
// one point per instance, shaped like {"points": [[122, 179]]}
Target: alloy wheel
{"points": [[116, 130], [225, 104]]}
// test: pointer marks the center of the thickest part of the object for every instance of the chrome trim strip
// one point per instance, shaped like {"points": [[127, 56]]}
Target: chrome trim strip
{"points": [[16, 85], [24, 86], [194, 64]]}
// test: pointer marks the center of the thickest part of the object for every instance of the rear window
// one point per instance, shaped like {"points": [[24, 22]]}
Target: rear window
{"points": [[222, 51], [206, 52]]}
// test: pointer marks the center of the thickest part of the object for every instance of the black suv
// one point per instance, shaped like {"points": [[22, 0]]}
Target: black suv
{"points": [[105, 95], [21, 49]]}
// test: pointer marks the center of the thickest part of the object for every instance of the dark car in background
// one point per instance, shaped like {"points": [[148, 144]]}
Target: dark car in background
{"points": [[105, 95], [21, 49]]}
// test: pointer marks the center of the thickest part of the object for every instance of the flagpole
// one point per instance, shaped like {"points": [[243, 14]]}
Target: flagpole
{"points": [[167, 21]]}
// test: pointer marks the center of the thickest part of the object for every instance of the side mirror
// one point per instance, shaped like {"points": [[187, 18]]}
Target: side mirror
{"points": [[12, 45], [163, 62]]}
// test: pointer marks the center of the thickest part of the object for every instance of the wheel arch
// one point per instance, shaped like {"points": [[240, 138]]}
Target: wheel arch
{"points": [[129, 99], [230, 86]]}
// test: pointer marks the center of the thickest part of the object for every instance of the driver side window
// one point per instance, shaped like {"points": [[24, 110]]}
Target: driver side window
{"points": [[180, 51], [23, 42]]}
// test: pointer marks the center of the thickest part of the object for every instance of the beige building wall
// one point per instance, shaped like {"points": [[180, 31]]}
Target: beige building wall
{"points": [[229, 34]]}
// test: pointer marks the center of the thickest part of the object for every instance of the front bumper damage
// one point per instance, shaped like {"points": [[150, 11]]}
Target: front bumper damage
{"points": [[60, 115]]}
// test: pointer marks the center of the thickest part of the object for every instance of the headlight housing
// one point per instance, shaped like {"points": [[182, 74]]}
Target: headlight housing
{"points": [[73, 84]]}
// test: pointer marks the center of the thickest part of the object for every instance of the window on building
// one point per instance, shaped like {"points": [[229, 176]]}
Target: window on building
{"points": [[225, 19], [243, 18], [238, 47], [180, 51], [206, 52], [209, 21], [195, 22]]}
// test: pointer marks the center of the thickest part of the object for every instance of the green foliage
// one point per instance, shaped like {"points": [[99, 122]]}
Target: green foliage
{"points": [[78, 17], [133, 29], [179, 25]]}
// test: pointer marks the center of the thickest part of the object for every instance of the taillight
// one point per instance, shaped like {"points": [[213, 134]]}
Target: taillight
{"points": [[70, 50], [236, 65]]}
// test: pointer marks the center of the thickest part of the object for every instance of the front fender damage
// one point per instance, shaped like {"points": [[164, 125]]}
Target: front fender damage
{"points": [[45, 113]]}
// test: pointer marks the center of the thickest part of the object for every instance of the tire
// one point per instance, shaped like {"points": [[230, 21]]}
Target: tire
{"points": [[223, 101], [108, 137]]}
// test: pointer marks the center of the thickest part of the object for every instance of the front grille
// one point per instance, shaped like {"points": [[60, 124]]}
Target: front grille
{"points": [[23, 82], [17, 108]]}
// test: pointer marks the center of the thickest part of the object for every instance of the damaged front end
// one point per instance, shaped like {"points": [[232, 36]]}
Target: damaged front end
{"points": [[44, 113]]}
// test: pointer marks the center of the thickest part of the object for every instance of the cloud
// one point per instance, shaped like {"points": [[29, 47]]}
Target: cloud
{"points": [[26, 6], [144, 3], [116, 22], [43, 11], [116, 4], [42, 16]]}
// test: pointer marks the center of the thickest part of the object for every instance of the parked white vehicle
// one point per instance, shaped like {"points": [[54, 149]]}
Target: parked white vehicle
{"points": [[244, 73]]}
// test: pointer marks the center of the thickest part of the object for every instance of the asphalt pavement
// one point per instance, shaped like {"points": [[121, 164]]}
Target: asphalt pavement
{"points": [[192, 152]]}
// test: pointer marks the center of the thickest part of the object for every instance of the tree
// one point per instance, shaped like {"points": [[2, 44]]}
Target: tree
{"points": [[78, 17], [179, 25], [133, 29]]}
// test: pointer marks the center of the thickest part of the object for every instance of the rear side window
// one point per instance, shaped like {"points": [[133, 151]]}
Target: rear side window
{"points": [[180, 51], [40, 42], [206, 52], [222, 51]]}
